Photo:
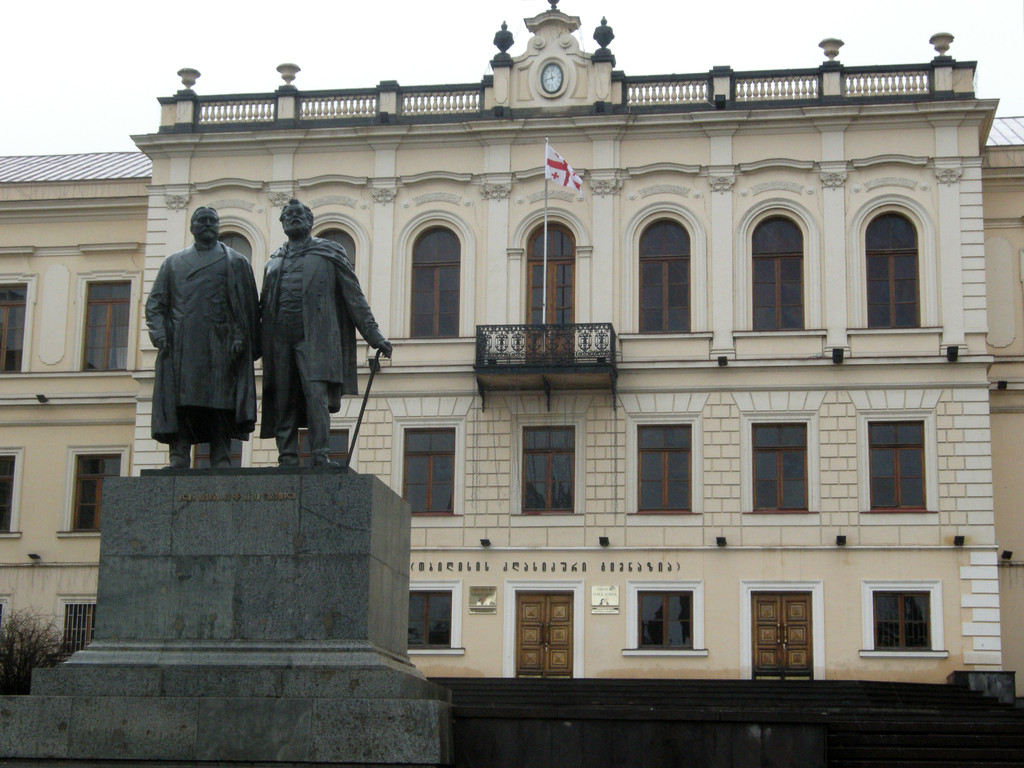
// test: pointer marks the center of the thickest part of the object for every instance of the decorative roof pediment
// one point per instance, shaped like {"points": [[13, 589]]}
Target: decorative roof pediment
{"points": [[553, 72]]}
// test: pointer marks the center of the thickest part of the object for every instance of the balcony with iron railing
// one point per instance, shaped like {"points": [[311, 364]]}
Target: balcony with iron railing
{"points": [[545, 357]]}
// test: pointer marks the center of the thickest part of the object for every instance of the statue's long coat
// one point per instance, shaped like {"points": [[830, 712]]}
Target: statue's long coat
{"points": [[333, 307], [168, 322]]}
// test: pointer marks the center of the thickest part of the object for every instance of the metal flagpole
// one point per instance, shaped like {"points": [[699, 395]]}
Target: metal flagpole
{"points": [[544, 282]]}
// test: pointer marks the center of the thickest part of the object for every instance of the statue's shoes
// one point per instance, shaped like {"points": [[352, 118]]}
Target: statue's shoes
{"points": [[324, 462]]}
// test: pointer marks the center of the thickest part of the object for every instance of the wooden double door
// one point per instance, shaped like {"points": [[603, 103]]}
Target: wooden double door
{"points": [[782, 635], [544, 634]]}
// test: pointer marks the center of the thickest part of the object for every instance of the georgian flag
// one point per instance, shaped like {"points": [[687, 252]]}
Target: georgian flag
{"points": [[559, 171]]}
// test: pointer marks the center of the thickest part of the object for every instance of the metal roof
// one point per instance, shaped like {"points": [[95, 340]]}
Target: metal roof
{"points": [[85, 167], [1006, 132]]}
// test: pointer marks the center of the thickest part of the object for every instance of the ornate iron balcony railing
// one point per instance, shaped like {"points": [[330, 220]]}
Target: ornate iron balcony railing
{"points": [[577, 344]]}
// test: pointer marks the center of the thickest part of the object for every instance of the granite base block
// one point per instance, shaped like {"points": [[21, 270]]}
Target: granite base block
{"points": [[242, 618], [199, 731]]}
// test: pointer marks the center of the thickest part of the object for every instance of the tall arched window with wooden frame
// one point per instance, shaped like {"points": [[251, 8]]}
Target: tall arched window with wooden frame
{"points": [[664, 278], [560, 283], [892, 273], [777, 251], [237, 242], [436, 256], [342, 238]]}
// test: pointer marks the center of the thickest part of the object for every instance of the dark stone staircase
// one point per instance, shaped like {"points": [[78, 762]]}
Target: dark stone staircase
{"points": [[592, 723]]}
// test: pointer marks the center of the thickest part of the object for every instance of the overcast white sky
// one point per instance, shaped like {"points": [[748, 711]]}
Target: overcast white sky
{"points": [[84, 76]]}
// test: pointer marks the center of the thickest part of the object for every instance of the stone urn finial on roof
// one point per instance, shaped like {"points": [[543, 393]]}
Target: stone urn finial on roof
{"points": [[831, 46], [941, 41], [604, 35], [188, 77], [554, 4], [288, 72], [503, 40]]}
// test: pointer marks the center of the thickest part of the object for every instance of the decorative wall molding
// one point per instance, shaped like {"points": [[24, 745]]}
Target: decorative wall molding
{"points": [[319, 202], [776, 162], [664, 189], [771, 186], [383, 196], [722, 183], [206, 186], [890, 181], [833, 179], [605, 187], [437, 197], [176, 202], [864, 162], [333, 178], [232, 202], [556, 194], [949, 176], [495, 191]]}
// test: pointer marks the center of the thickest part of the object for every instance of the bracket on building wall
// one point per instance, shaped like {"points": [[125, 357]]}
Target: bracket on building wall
{"points": [[547, 390], [480, 389]]}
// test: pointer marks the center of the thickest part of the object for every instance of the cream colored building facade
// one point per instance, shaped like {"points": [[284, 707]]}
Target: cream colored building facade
{"points": [[584, 587]]}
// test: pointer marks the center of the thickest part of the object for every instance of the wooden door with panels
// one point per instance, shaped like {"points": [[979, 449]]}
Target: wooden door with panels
{"points": [[544, 634], [782, 635]]}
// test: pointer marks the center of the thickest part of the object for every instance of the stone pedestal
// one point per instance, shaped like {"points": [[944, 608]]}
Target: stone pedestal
{"points": [[246, 616]]}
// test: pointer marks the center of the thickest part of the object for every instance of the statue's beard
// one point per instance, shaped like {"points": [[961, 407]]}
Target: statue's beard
{"points": [[296, 230]]}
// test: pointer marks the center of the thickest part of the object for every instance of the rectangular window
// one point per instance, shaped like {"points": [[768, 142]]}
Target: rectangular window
{"points": [[90, 472], [6, 492], [430, 619], [778, 293], [902, 620], [548, 457], [780, 467], [78, 625], [429, 470], [337, 447], [664, 461], [201, 457], [12, 327], [106, 326], [666, 620], [897, 465]]}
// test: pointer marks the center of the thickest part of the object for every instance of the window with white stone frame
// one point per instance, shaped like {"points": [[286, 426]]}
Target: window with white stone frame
{"points": [[11, 461], [664, 618], [435, 618], [872, 447], [453, 428], [902, 619], [764, 418]]}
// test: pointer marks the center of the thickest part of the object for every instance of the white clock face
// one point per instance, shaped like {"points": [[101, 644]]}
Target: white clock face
{"points": [[551, 78]]}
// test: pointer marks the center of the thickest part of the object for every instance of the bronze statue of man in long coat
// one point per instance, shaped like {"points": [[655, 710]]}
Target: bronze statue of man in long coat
{"points": [[203, 317], [311, 306]]}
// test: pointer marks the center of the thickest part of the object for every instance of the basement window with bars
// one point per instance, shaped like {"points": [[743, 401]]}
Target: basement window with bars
{"points": [[78, 625], [665, 620], [901, 620]]}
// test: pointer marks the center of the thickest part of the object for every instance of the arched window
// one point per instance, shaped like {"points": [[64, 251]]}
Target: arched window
{"points": [[891, 252], [664, 278], [342, 238], [435, 284], [237, 242], [559, 283], [778, 265]]}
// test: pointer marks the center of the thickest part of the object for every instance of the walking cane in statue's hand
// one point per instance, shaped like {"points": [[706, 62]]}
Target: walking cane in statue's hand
{"points": [[374, 367]]}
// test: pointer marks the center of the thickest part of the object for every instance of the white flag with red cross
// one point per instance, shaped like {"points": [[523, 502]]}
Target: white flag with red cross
{"points": [[559, 171]]}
